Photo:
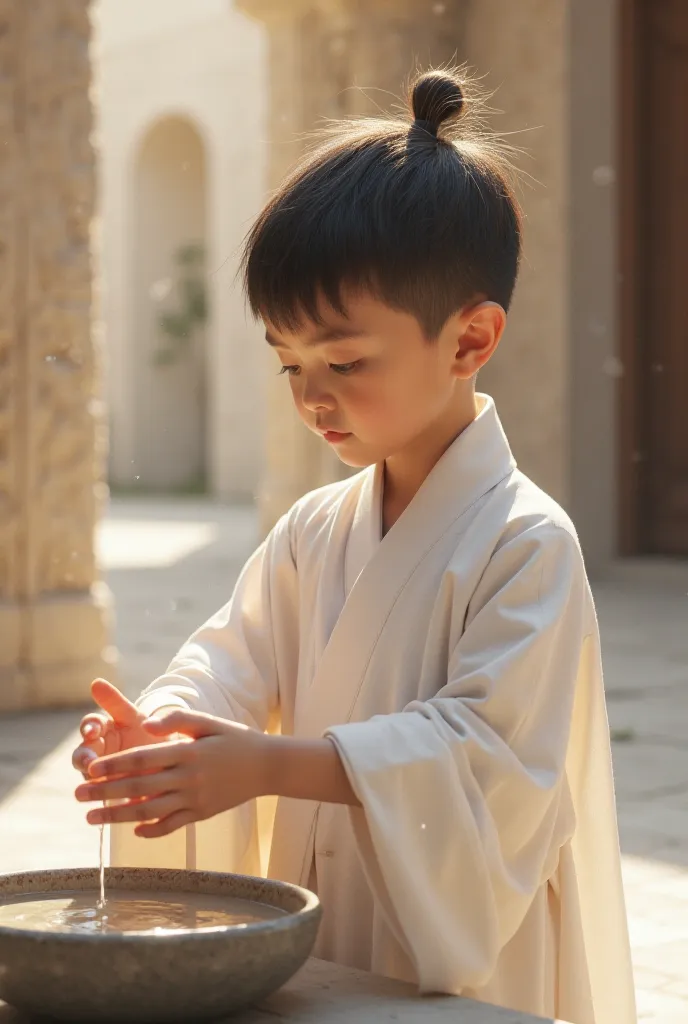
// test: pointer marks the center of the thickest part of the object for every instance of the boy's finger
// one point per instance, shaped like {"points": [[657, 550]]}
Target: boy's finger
{"points": [[152, 830], [140, 760], [112, 700], [82, 757], [94, 726], [136, 810], [132, 788], [195, 724]]}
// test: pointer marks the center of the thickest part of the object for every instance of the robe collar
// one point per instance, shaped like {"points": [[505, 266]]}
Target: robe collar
{"points": [[472, 464], [476, 461]]}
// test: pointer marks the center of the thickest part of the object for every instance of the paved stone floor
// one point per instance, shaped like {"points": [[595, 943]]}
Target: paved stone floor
{"points": [[171, 564]]}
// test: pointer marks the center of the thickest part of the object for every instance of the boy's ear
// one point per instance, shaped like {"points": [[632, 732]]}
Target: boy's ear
{"points": [[480, 329]]}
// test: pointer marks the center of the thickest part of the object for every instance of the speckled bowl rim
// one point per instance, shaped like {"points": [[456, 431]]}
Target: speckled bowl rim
{"points": [[180, 936]]}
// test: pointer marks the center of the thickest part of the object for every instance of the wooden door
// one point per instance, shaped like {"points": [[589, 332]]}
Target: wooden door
{"points": [[661, 373]]}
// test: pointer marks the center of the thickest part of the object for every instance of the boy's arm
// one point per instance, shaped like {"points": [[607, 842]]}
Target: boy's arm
{"points": [[229, 666], [306, 769]]}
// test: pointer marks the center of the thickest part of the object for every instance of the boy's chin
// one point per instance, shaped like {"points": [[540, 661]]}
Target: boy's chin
{"points": [[355, 460]]}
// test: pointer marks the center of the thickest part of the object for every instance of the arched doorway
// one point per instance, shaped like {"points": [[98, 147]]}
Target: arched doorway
{"points": [[169, 324]]}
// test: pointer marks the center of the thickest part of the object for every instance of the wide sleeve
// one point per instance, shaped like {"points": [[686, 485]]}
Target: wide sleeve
{"points": [[465, 802], [234, 664]]}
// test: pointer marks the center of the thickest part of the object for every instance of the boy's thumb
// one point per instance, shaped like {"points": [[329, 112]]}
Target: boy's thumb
{"points": [[189, 723], [112, 700]]}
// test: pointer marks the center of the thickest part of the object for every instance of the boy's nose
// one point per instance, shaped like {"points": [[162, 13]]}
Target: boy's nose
{"points": [[314, 398]]}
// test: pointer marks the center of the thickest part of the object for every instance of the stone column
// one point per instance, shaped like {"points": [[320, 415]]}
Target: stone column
{"points": [[333, 59], [53, 612]]}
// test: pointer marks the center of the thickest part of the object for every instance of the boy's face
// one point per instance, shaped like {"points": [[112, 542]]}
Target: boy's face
{"points": [[370, 383]]}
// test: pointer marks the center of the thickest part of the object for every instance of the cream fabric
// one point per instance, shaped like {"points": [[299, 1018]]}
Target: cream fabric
{"points": [[456, 665]]}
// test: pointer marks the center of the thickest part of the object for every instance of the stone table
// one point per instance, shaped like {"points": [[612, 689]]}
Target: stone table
{"points": [[324, 993]]}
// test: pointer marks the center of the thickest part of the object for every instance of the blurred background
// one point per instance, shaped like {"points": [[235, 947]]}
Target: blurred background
{"points": [[145, 442]]}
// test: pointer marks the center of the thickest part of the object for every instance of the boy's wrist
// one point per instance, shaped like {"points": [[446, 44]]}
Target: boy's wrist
{"points": [[304, 769], [269, 762]]}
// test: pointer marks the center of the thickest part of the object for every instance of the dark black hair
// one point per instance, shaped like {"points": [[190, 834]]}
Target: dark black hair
{"points": [[422, 215]]}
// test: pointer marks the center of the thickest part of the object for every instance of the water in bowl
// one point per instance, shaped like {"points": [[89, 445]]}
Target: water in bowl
{"points": [[131, 911]]}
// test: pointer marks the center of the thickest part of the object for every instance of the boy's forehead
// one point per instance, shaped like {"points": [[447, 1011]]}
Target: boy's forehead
{"points": [[358, 313]]}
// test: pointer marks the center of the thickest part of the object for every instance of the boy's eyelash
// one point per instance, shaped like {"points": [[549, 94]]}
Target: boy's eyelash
{"points": [[345, 367], [342, 368]]}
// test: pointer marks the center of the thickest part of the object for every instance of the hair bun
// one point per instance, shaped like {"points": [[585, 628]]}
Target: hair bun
{"points": [[436, 97]]}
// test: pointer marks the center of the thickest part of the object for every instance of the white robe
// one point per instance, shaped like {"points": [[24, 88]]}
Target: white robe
{"points": [[456, 665]]}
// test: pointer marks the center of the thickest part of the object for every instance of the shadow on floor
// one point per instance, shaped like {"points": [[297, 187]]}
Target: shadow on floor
{"points": [[26, 739]]}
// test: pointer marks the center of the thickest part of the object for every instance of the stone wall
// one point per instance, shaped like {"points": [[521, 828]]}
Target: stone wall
{"points": [[521, 49], [53, 613]]}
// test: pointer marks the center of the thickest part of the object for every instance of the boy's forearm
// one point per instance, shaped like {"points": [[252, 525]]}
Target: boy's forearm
{"points": [[307, 770]]}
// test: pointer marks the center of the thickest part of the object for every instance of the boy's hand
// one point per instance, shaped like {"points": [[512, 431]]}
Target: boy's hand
{"points": [[118, 728], [173, 784]]}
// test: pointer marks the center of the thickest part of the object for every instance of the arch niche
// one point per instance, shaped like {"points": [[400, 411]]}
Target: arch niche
{"points": [[169, 363]]}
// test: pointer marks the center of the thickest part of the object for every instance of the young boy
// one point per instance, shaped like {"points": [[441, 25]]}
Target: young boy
{"points": [[424, 629]]}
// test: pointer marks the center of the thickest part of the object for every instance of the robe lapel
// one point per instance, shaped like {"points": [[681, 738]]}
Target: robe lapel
{"points": [[366, 529], [476, 462]]}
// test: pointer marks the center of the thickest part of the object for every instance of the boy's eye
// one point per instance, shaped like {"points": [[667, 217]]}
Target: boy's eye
{"points": [[342, 368], [345, 367]]}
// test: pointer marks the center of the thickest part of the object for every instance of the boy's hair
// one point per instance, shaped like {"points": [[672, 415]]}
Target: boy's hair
{"points": [[422, 215]]}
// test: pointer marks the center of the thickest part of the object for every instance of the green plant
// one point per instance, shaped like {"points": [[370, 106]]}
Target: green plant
{"points": [[178, 325]]}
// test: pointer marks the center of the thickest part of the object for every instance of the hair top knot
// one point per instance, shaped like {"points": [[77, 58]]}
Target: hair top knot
{"points": [[436, 97], [426, 126]]}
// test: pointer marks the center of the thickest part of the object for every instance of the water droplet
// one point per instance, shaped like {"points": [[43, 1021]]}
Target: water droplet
{"points": [[137, 477], [50, 359], [604, 176], [613, 367], [423, 825], [160, 289], [439, 9]]}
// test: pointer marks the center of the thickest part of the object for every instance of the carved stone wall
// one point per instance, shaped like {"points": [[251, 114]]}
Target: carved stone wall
{"points": [[53, 611]]}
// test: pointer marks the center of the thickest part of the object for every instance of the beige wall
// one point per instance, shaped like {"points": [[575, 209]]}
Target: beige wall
{"points": [[594, 287], [556, 376], [168, 401], [522, 50], [205, 63]]}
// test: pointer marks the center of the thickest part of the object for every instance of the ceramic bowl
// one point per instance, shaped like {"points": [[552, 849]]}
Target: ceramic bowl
{"points": [[151, 978]]}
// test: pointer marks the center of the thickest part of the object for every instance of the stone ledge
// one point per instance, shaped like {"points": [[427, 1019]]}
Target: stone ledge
{"points": [[69, 627], [51, 651], [62, 685]]}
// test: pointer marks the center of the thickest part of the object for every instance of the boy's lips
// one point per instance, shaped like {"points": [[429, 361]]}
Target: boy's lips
{"points": [[333, 436]]}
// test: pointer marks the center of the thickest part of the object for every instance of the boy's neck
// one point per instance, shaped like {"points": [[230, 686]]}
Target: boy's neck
{"points": [[405, 472]]}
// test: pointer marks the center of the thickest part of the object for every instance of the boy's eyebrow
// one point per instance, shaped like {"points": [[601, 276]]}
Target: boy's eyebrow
{"points": [[322, 337]]}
